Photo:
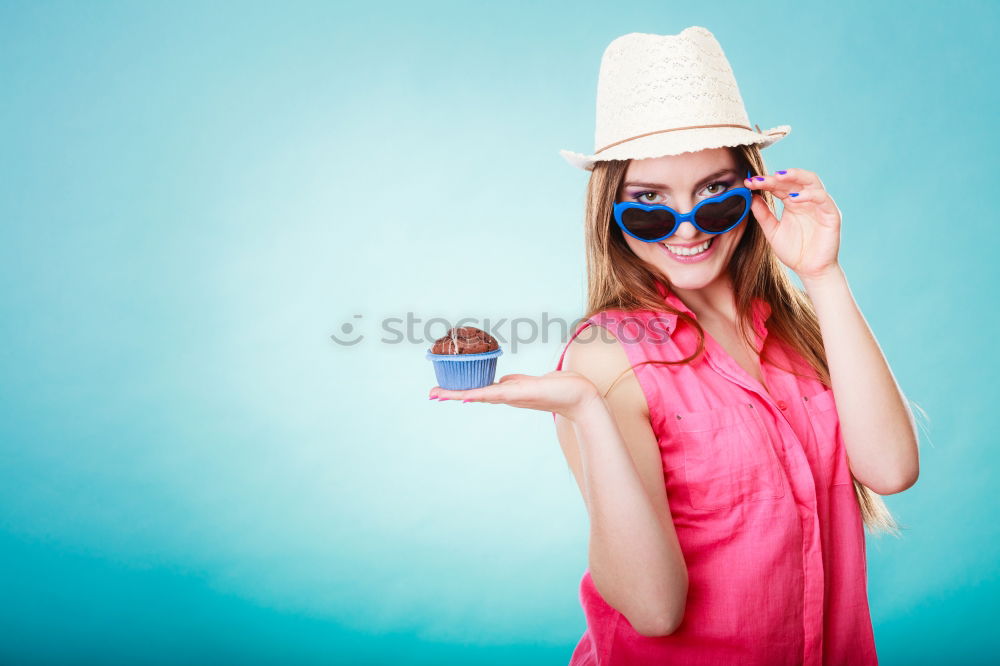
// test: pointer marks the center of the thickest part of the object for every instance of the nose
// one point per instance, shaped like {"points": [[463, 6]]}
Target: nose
{"points": [[686, 231], [681, 206]]}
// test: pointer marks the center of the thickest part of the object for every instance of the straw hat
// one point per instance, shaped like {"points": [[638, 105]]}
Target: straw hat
{"points": [[668, 94]]}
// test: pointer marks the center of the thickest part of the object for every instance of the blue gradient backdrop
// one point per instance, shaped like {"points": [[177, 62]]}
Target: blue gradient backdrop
{"points": [[195, 196]]}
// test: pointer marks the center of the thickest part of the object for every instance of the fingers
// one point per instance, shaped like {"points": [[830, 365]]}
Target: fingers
{"points": [[491, 393], [765, 218], [790, 177], [800, 197], [804, 185], [438, 393]]}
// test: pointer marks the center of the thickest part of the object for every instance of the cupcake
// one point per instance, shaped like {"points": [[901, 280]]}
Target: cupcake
{"points": [[465, 358]]}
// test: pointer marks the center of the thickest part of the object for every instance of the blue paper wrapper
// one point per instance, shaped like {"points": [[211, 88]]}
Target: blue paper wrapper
{"points": [[457, 372]]}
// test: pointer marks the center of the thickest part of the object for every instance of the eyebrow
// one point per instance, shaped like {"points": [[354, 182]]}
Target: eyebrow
{"points": [[666, 188]]}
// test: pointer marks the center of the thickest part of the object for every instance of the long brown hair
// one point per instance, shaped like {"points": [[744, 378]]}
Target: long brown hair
{"points": [[618, 279]]}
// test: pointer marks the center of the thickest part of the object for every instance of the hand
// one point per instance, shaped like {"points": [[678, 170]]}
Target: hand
{"points": [[560, 391], [807, 237]]}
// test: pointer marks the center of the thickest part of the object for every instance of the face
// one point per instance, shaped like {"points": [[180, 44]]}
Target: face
{"points": [[681, 181]]}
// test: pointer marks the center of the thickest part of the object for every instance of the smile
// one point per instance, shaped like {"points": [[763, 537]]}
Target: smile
{"points": [[693, 254], [689, 251]]}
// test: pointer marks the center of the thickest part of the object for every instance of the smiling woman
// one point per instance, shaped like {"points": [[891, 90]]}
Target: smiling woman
{"points": [[728, 431]]}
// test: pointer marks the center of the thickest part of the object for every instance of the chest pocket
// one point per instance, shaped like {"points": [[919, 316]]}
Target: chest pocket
{"points": [[728, 457], [825, 422]]}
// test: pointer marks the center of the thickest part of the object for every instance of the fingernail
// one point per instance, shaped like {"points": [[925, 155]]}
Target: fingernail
{"points": [[782, 172], [466, 400], [758, 177], [793, 194], [432, 397]]}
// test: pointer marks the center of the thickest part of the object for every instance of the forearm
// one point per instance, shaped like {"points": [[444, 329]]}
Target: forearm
{"points": [[635, 560], [878, 428]]}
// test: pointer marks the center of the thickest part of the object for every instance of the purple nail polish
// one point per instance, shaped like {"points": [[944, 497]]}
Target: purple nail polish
{"points": [[758, 177], [793, 194], [782, 172]]}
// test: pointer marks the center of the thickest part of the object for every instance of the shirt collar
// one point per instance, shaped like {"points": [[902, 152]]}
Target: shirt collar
{"points": [[760, 310]]}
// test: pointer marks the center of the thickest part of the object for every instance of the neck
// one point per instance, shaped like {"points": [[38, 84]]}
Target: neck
{"points": [[713, 302]]}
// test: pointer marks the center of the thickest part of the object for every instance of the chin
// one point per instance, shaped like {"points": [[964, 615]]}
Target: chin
{"points": [[690, 282]]}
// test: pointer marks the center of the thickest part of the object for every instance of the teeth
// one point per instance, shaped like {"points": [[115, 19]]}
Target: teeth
{"points": [[687, 252]]}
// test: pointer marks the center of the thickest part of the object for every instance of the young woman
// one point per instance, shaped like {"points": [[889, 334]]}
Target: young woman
{"points": [[730, 434]]}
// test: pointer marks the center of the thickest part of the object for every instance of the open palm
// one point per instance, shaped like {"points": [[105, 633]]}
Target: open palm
{"points": [[561, 391]]}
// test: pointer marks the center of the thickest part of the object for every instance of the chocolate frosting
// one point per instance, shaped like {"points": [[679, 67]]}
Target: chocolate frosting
{"points": [[465, 340]]}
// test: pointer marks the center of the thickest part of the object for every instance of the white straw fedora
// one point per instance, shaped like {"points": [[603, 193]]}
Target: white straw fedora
{"points": [[668, 94]]}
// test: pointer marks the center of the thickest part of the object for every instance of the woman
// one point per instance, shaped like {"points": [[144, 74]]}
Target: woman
{"points": [[728, 431]]}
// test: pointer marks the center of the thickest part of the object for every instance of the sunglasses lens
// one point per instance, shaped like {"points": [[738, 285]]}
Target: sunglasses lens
{"points": [[719, 216], [648, 224]]}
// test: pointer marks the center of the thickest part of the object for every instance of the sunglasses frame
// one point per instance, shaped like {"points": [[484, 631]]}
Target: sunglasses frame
{"points": [[743, 192]]}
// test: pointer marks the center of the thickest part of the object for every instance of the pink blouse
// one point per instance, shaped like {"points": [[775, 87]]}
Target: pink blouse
{"points": [[761, 497]]}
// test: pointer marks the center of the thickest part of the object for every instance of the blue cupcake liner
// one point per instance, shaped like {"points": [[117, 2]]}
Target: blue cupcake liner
{"points": [[457, 372]]}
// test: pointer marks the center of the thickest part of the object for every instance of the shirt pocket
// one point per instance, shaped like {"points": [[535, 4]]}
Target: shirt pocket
{"points": [[822, 410], [728, 458]]}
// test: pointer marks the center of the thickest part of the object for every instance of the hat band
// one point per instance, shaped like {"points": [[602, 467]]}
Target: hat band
{"points": [[674, 129]]}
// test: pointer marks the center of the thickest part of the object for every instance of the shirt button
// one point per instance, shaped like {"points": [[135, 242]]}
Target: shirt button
{"points": [[782, 404]]}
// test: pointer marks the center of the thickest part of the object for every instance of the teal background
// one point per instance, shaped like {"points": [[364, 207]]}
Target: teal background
{"points": [[195, 196]]}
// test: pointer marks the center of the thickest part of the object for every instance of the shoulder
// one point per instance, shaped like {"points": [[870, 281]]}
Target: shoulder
{"points": [[597, 354]]}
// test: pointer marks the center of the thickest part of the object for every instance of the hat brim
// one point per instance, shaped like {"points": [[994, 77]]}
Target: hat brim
{"points": [[675, 143]]}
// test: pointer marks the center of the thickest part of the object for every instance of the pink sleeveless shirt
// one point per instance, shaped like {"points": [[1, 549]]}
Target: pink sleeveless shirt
{"points": [[762, 501]]}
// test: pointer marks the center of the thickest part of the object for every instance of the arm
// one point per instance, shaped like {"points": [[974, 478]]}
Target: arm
{"points": [[879, 431], [635, 558], [878, 428]]}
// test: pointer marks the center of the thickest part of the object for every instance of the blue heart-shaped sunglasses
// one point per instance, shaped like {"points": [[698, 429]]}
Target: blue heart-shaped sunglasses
{"points": [[655, 222]]}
